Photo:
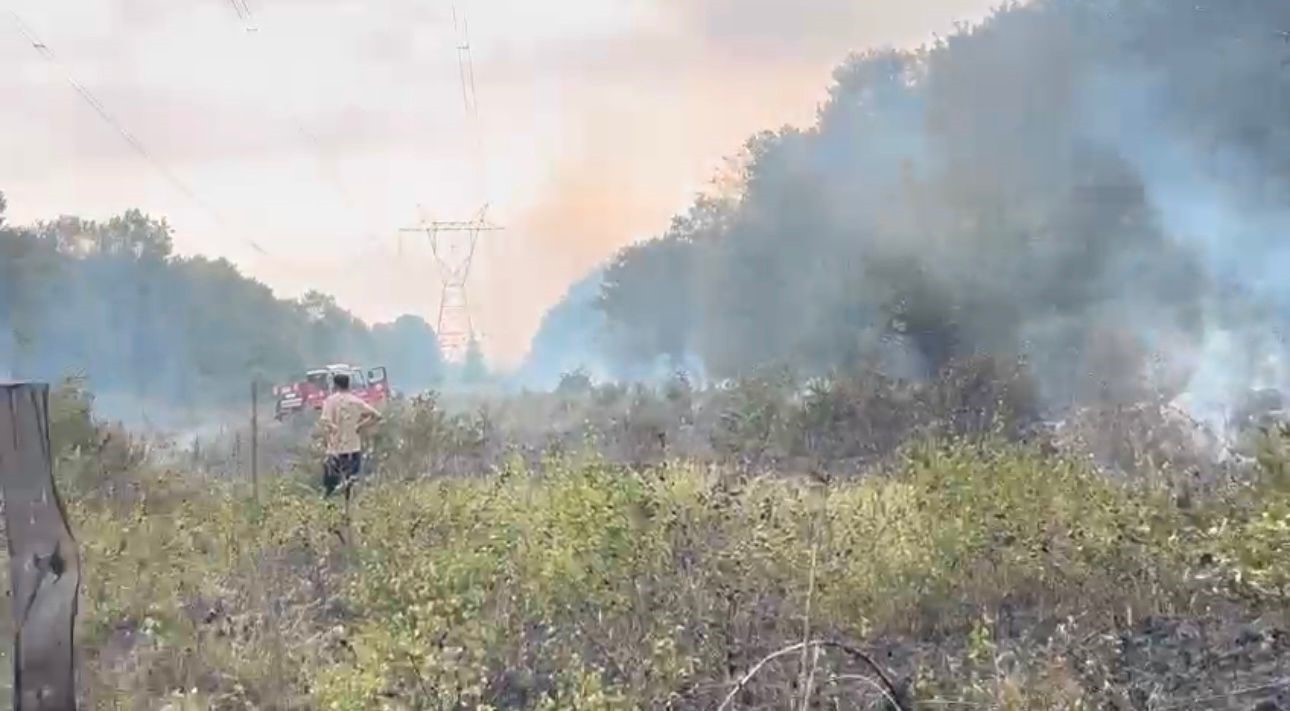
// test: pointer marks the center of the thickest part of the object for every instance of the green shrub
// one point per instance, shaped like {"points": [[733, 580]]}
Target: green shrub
{"points": [[590, 586]]}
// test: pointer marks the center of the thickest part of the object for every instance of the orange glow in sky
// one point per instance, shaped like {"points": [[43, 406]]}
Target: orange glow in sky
{"points": [[319, 134]]}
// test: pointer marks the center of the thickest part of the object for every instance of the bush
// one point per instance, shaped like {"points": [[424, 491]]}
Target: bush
{"points": [[590, 586], [645, 574]]}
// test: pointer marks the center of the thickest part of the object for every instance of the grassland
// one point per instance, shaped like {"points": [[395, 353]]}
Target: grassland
{"points": [[987, 576], [967, 570]]}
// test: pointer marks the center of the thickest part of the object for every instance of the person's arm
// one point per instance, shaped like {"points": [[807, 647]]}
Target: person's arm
{"points": [[370, 415]]}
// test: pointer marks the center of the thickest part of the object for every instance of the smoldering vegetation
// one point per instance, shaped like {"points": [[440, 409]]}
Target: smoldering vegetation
{"points": [[978, 376], [610, 546], [1096, 189], [772, 422]]}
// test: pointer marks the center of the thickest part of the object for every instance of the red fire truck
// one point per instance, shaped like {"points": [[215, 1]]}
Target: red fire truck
{"points": [[310, 392]]}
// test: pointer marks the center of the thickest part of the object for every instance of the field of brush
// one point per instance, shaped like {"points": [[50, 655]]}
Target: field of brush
{"points": [[967, 565]]}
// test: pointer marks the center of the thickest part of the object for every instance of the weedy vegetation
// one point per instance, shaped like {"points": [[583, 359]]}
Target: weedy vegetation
{"points": [[975, 570]]}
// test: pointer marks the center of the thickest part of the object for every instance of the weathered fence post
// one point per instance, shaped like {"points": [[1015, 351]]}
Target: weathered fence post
{"points": [[255, 440], [237, 452], [44, 566]]}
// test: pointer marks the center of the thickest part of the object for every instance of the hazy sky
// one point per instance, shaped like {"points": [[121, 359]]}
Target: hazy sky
{"points": [[318, 135]]}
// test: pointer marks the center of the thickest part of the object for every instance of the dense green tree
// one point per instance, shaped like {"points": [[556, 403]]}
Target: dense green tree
{"points": [[411, 353], [1062, 170], [111, 301]]}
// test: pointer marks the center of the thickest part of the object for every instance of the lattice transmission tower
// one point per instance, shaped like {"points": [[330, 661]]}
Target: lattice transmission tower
{"points": [[453, 245]]}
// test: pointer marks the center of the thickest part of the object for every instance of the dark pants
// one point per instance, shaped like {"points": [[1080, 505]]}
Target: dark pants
{"points": [[341, 470]]}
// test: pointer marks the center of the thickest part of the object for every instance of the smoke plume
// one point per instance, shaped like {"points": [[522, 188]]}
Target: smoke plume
{"points": [[1098, 188]]}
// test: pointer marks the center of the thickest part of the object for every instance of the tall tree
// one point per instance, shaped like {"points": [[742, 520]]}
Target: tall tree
{"points": [[1064, 169]]}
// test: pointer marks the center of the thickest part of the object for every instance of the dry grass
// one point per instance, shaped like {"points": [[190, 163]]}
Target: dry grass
{"points": [[973, 572], [591, 586]]}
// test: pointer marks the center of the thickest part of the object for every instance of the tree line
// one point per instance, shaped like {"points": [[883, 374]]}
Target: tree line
{"points": [[112, 302], [1067, 182]]}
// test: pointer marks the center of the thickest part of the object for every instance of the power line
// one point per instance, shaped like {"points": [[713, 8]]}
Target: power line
{"points": [[243, 13], [465, 65], [325, 164], [99, 108], [453, 243], [470, 98]]}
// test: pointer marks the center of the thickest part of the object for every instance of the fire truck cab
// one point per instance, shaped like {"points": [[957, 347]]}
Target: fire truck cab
{"points": [[310, 392]]}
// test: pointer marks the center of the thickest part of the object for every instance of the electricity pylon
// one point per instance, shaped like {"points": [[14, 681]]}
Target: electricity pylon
{"points": [[453, 242], [453, 245]]}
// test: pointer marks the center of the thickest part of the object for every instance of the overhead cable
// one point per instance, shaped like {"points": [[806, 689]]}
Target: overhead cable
{"points": [[103, 113]]}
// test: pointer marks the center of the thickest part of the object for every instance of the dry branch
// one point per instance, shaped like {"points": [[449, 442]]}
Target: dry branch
{"points": [[893, 694]]}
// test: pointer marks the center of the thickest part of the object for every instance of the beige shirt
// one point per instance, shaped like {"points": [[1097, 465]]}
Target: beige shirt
{"points": [[342, 414]]}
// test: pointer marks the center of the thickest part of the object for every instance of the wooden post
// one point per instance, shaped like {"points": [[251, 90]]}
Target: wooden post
{"points": [[44, 566], [237, 453], [255, 439]]}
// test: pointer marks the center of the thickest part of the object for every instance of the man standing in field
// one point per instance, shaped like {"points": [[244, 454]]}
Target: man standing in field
{"points": [[344, 416]]}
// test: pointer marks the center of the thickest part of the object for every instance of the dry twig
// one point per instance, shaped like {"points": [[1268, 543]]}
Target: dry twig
{"points": [[890, 691]]}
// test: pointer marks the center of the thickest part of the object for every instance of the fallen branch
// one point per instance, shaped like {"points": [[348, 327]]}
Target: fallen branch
{"points": [[888, 688], [869, 682]]}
